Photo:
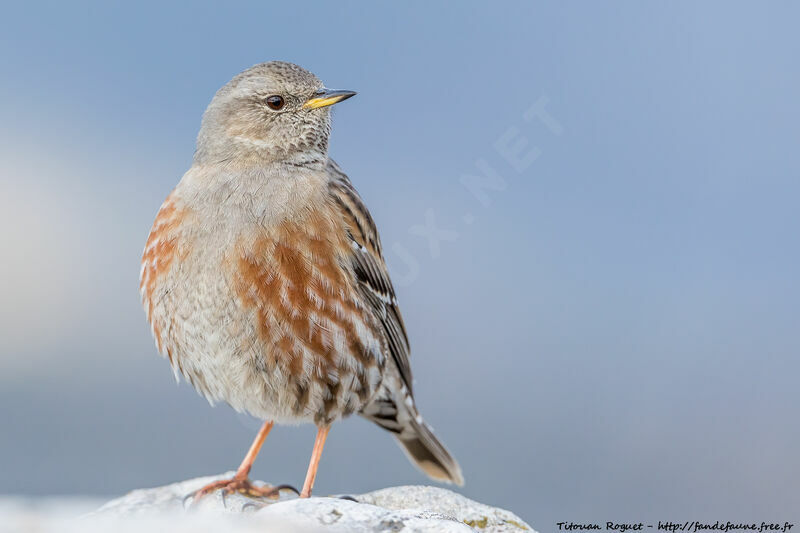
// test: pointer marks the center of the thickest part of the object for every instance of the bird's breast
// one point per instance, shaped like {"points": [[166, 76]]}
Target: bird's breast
{"points": [[265, 316], [310, 326]]}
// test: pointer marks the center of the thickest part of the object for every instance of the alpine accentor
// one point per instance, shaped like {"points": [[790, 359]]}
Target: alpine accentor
{"points": [[264, 281]]}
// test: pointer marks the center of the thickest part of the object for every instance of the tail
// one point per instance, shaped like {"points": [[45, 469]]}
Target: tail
{"points": [[416, 438]]}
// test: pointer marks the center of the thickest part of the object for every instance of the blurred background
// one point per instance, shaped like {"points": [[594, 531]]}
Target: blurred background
{"points": [[604, 326]]}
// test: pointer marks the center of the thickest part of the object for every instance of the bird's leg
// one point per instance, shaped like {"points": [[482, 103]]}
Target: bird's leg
{"points": [[240, 481], [319, 443], [247, 463]]}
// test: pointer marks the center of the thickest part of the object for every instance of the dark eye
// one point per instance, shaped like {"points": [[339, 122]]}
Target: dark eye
{"points": [[274, 102]]}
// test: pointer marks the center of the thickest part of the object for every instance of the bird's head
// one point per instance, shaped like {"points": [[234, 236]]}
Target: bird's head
{"points": [[271, 112]]}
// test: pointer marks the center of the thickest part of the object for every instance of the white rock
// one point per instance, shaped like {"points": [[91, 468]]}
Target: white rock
{"points": [[337, 515], [479, 516], [399, 509]]}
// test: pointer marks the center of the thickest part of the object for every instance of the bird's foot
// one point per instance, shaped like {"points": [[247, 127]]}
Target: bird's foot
{"points": [[242, 485]]}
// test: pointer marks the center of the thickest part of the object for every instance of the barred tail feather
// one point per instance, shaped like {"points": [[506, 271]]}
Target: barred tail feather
{"points": [[416, 439], [430, 455]]}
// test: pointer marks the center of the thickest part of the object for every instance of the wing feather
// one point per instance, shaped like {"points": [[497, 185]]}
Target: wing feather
{"points": [[369, 268]]}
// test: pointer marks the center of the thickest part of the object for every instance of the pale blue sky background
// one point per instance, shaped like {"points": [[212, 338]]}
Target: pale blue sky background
{"points": [[615, 337]]}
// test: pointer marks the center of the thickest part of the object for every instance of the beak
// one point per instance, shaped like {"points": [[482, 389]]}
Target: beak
{"points": [[326, 97]]}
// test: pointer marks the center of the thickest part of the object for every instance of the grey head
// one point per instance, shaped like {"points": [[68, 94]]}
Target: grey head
{"points": [[271, 112]]}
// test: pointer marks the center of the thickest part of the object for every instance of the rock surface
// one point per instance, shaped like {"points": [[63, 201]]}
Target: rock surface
{"points": [[398, 509]]}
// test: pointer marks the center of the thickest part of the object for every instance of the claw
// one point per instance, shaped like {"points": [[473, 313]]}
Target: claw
{"points": [[251, 507], [224, 502], [189, 496], [279, 488]]}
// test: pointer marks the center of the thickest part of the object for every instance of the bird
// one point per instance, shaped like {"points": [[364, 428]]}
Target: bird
{"points": [[264, 281]]}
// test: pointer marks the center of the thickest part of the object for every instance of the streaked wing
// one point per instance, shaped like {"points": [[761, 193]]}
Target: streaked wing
{"points": [[370, 268]]}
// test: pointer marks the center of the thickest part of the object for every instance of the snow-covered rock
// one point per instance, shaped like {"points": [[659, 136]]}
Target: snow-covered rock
{"points": [[397, 509]]}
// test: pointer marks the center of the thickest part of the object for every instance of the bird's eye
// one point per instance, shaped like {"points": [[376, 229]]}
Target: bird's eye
{"points": [[274, 102]]}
